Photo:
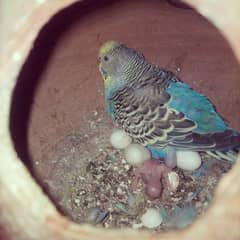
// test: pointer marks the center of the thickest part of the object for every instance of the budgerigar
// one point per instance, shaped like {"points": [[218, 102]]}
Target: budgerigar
{"points": [[160, 111]]}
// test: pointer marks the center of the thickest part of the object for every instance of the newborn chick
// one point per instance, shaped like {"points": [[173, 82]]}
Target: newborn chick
{"points": [[155, 177]]}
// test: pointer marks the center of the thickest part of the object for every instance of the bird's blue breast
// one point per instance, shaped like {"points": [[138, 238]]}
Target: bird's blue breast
{"points": [[195, 107]]}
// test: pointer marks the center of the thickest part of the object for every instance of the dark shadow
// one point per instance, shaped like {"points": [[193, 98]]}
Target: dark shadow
{"points": [[34, 66], [179, 4]]}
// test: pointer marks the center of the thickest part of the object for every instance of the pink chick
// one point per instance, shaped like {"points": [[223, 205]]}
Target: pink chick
{"points": [[154, 175]]}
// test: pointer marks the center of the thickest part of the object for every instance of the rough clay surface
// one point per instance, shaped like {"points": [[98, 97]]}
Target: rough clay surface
{"points": [[62, 141]]}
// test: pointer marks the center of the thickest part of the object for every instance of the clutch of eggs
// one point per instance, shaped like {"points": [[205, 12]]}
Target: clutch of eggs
{"points": [[135, 154]]}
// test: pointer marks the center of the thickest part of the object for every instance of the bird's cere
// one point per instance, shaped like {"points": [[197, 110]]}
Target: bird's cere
{"points": [[136, 154], [188, 160], [120, 139]]}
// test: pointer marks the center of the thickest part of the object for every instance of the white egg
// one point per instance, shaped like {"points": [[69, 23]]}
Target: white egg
{"points": [[188, 160], [120, 139], [136, 154], [152, 218], [173, 181]]}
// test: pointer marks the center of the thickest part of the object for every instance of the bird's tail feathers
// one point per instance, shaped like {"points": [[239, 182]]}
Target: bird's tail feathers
{"points": [[231, 155]]}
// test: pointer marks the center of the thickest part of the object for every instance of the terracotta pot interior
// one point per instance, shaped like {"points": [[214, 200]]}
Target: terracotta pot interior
{"points": [[59, 86]]}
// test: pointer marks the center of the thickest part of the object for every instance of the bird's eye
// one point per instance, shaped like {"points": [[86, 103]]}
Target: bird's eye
{"points": [[105, 58]]}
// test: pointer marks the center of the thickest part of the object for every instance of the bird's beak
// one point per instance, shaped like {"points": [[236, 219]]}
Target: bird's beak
{"points": [[104, 73]]}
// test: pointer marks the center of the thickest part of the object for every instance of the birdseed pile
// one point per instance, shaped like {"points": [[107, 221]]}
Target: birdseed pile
{"points": [[91, 182]]}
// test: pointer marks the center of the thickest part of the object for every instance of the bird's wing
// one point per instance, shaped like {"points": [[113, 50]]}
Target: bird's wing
{"points": [[145, 114], [196, 107]]}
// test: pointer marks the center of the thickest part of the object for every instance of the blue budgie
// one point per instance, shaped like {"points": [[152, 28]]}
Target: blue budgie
{"points": [[160, 111]]}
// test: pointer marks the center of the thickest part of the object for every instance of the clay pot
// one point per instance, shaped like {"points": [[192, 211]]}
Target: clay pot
{"points": [[49, 83]]}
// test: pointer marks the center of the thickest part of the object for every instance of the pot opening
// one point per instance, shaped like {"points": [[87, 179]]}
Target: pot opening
{"points": [[62, 132]]}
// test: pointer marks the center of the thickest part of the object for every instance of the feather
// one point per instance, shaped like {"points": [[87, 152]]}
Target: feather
{"points": [[158, 110], [196, 107]]}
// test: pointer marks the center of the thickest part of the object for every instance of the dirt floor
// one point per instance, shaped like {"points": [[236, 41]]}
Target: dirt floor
{"points": [[91, 182]]}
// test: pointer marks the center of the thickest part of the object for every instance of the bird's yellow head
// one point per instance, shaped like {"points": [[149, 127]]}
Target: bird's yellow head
{"points": [[106, 58], [107, 47], [118, 65]]}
